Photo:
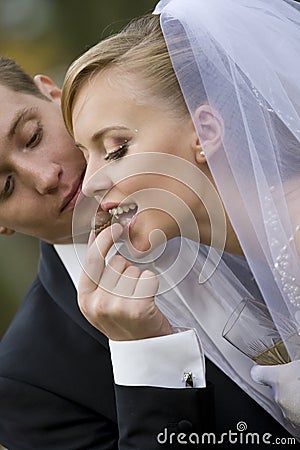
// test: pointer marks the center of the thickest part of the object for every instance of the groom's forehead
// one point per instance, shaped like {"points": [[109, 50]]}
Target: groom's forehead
{"points": [[8, 109], [13, 107]]}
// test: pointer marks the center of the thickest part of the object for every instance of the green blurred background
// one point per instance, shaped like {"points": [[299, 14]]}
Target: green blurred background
{"points": [[44, 36]]}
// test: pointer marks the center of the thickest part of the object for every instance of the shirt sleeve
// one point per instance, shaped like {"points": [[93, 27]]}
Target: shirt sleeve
{"points": [[161, 361]]}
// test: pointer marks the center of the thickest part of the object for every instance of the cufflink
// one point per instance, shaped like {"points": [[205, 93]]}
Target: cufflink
{"points": [[188, 379]]}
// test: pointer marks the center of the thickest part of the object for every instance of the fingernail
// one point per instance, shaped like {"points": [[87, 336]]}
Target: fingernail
{"points": [[92, 237], [148, 274], [116, 230]]}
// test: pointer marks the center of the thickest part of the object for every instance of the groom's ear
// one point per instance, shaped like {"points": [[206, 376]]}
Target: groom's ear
{"points": [[6, 231], [208, 136], [47, 87]]}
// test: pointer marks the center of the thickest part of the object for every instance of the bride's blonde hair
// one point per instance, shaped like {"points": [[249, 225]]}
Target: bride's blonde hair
{"points": [[139, 49]]}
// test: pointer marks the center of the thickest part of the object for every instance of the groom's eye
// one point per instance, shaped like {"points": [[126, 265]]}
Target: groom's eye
{"points": [[35, 136], [7, 189]]}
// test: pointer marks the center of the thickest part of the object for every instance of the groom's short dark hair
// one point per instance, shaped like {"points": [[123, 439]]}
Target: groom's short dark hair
{"points": [[14, 77]]}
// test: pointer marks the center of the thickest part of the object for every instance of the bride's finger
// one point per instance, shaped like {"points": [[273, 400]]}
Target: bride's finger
{"points": [[127, 282], [147, 285], [95, 258], [112, 272]]}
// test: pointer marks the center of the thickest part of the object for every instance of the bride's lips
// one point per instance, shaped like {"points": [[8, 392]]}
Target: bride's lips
{"points": [[105, 206], [123, 213], [71, 198], [111, 212]]}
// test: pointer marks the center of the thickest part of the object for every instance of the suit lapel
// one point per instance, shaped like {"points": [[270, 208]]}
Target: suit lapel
{"points": [[58, 284]]}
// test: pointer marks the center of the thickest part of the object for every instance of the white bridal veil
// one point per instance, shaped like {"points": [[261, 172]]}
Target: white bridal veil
{"points": [[242, 58]]}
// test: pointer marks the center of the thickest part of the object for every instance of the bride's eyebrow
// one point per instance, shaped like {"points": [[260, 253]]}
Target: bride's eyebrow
{"points": [[18, 119], [99, 134]]}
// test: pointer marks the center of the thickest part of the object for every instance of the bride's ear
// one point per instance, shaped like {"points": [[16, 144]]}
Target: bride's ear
{"points": [[208, 136]]}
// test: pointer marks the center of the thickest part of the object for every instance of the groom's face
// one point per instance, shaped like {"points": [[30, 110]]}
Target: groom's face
{"points": [[40, 167]]}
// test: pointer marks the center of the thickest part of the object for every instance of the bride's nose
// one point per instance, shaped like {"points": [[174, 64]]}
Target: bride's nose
{"points": [[96, 181]]}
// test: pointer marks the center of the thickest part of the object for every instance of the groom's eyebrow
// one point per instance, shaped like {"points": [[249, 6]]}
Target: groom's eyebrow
{"points": [[19, 118]]}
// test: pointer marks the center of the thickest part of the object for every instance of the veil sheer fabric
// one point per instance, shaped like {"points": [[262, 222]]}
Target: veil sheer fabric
{"points": [[241, 57]]}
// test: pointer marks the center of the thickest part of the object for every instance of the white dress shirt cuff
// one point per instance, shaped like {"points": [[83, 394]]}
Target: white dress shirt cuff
{"points": [[160, 361]]}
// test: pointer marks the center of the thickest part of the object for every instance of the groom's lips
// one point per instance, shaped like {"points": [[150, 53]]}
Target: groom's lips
{"points": [[70, 199]]}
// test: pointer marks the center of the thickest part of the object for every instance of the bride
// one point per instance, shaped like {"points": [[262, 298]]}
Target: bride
{"points": [[189, 121]]}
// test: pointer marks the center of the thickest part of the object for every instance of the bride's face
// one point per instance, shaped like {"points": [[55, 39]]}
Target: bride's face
{"points": [[141, 156]]}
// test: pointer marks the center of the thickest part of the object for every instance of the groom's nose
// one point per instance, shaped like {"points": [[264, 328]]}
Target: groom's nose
{"points": [[43, 177]]}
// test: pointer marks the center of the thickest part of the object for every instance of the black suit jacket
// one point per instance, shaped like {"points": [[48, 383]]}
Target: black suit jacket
{"points": [[57, 390]]}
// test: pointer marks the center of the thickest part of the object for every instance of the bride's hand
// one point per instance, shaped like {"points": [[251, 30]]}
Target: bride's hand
{"points": [[118, 298], [285, 383]]}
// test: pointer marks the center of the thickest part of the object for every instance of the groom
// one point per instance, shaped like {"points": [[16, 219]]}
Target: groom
{"points": [[57, 387]]}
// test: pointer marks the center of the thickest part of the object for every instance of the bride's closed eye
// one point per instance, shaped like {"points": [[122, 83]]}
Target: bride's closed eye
{"points": [[121, 151]]}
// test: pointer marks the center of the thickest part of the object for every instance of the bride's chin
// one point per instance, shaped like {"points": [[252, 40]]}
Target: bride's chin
{"points": [[147, 235], [138, 246], [142, 244]]}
